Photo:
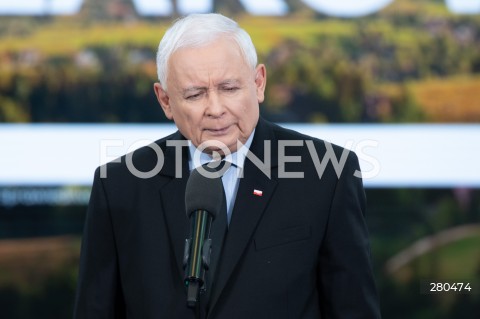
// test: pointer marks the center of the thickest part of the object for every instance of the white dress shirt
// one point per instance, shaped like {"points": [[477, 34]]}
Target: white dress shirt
{"points": [[230, 178]]}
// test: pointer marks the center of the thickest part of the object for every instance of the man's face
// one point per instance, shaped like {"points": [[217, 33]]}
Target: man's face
{"points": [[213, 94]]}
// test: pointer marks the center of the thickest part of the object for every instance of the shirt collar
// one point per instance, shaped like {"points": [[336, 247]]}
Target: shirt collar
{"points": [[237, 158]]}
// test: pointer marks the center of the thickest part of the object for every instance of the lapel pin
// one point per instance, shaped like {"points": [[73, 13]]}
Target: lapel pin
{"points": [[257, 192]]}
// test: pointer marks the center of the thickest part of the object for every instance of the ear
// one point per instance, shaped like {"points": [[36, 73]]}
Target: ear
{"points": [[260, 81], [163, 100]]}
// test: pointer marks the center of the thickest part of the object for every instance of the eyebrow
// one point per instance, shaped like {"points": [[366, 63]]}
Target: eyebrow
{"points": [[229, 82]]}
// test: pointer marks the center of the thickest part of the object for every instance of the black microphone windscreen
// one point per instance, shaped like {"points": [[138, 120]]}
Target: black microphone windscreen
{"points": [[204, 193]]}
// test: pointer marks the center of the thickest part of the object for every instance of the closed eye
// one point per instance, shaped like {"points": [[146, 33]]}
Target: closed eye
{"points": [[230, 89], [193, 97]]}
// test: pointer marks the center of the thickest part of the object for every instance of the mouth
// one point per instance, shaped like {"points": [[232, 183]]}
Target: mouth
{"points": [[218, 131]]}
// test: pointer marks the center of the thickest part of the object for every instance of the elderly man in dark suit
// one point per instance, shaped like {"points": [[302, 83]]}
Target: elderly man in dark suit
{"points": [[297, 244]]}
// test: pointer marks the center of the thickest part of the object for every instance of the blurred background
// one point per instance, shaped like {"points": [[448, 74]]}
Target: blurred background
{"points": [[398, 81]]}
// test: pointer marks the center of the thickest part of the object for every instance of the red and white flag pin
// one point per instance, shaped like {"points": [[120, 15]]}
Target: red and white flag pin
{"points": [[257, 192]]}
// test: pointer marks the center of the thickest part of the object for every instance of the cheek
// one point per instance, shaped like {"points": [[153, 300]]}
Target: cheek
{"points": [[189, 119], [252, 108], [248, 114], [182, 112]]}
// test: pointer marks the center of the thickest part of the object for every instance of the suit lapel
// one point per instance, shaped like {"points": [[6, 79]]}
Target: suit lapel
{"points": [[173, 200], [248, 209]]}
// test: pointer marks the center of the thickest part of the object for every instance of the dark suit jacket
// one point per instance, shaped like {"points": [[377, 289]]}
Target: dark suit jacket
{"points": [[300, 250]]}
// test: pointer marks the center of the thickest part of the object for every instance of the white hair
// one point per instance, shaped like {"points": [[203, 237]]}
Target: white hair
{"points": [[198, 30]]}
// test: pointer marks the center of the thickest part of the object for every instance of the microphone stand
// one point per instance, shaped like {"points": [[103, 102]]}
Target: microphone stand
{"points": [[195, 248]]}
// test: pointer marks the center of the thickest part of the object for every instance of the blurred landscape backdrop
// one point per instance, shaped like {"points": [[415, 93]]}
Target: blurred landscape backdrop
{"points": [[413, 61]]}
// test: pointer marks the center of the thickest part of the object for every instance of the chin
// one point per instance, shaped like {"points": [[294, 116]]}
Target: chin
{"points": [[217, 144]]}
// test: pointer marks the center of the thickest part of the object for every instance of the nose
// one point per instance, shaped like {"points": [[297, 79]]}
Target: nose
{"points": [[215, 107]]}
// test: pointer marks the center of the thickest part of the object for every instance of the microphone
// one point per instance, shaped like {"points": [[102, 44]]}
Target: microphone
{"points": [[203, 202]]}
